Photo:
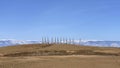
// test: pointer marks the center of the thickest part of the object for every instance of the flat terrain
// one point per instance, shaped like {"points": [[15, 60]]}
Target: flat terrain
{"points": [[81, 61], [59, 56]]}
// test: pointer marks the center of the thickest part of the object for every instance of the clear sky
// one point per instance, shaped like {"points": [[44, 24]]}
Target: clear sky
{"points": [[87, 19]]}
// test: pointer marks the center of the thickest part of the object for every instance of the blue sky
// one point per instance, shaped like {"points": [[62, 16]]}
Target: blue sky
{"points": [[86, 19]]}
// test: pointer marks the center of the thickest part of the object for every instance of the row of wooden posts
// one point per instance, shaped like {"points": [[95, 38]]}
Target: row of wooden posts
{"points": [[57, 40]]}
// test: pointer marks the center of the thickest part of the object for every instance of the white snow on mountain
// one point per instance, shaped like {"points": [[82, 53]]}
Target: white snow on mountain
{"points": [[8, 42]]}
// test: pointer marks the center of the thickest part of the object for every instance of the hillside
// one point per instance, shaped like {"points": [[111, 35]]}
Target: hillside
{"points": [[56, 49]]}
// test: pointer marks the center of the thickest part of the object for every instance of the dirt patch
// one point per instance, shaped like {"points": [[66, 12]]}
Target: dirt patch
{"points": [[78, 61]]}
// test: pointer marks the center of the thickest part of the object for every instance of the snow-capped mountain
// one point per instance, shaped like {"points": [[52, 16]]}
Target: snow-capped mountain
{"points": [[82, 42], [101, 43], [15, 42]]}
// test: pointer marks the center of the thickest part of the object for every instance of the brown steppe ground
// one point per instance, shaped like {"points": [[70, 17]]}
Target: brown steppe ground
{"points": [[59, 56], [61, 62]]}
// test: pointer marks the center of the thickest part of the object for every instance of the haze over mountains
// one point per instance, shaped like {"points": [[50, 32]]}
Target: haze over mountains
{"points": [[8, 42]]}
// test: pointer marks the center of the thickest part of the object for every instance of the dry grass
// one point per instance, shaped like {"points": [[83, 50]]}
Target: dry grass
{"points": [[56, 49], [73, 56], [60, 62]]}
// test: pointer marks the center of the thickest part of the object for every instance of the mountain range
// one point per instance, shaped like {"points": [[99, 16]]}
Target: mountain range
{"points": [[9, 42]]}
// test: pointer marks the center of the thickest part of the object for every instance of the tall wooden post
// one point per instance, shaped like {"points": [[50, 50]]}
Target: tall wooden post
{"points": [[52, 41], [69, 40], [79, 41], [60, 40], [73, 41], [66, 41], [42, 40]]}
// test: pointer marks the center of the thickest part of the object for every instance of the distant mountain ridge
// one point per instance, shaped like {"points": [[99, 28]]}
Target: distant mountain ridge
{"points": [[8, 42], [16, 42], [102, 43]]}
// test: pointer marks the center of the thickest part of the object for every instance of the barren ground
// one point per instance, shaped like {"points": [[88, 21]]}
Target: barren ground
{"points": [[59, 56], [78, 61]]}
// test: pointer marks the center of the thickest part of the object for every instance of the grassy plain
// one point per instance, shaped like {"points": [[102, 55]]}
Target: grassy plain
{"points": [[59, 56], [81, 61]]}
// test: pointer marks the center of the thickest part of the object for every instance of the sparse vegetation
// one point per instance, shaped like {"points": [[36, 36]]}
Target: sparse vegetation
{"points": [[58, 56], [56, 49]]}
